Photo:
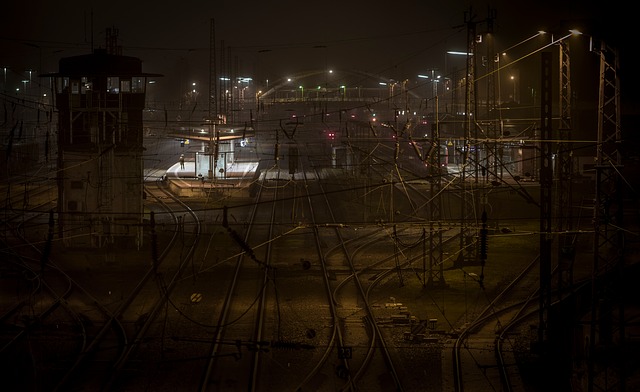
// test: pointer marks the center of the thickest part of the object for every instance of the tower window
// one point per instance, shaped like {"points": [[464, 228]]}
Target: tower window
{"points": [[125, 86], [113, 84]]}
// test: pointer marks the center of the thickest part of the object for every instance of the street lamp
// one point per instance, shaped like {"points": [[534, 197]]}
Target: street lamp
{"points": [[301, 93], [392, 85], [150, 93], [381, 91], [454, 73], [434, 82], [259, 70], [513, 82], [453, 53], [503, 59]]}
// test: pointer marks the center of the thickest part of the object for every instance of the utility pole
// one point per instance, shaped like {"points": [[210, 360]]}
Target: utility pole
{"points": [[492, 151], [468, 253], [607, 342], [564, 169], [436, 268], [562, 314], [546, 184]]}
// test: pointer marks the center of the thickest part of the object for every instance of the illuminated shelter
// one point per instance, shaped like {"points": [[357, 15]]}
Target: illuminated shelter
{"points": [[100, 99]]}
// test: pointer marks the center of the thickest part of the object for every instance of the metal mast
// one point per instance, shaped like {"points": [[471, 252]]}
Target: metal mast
{"points": [[212, 102], [467, 203], [213, 72], [604, 372], [546, 201], [436, 268], [492, 150], [564, 170]]}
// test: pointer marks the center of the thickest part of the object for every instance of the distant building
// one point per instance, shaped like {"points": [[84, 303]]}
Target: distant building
{"points": [[100, 98]]}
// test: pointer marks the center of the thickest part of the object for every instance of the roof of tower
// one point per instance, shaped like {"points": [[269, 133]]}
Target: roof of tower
{"points": [[100, 63]]}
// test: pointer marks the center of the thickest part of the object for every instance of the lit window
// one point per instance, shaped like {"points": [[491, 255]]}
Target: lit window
{"points": [[125, 86], [137, 85], [113, 84]]}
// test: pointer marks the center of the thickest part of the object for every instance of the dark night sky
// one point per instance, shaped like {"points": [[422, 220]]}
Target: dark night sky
{"points": [[269, 39], [274, 39]]}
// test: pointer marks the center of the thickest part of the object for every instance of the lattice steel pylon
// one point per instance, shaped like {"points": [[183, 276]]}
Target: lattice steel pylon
{"points": [[606, 366], [492, 160], [436, 267], [468, 236], [546, 179], [564, 175]]}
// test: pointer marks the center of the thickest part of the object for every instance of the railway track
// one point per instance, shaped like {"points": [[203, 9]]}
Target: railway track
{"points": [[473, 353], [90, 370], [374, 343], [47, 302], [242, 315], [484, 352], [307, 279]]}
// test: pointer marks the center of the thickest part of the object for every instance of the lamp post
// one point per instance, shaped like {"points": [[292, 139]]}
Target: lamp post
{"points": [[150, 97], [434, 82], [258, 94], [301, 93], [454, 76], [259, 70], [194, 97], [39, 65], [504, 59], [513, 82], [391, 87], [382, 90]]}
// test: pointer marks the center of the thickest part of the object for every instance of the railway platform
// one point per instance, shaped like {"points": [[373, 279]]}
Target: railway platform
{"points": [[183, 181]]}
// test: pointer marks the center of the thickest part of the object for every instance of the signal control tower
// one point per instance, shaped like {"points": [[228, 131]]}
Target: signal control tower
{"points": [[100, 99]]}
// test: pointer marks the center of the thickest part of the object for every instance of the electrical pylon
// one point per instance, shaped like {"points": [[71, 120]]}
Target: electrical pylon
{"points": [[436, 267], [468, 227], [564, 175], [606, 364]]}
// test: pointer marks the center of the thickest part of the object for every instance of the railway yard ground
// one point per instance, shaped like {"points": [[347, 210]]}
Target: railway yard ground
{"points": [[421, 321]]}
